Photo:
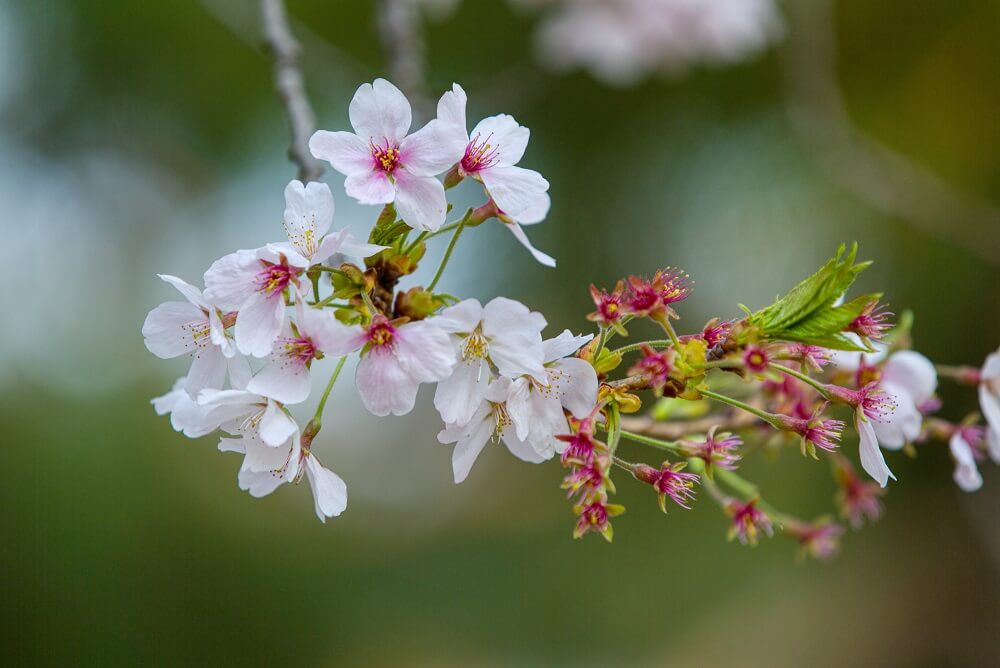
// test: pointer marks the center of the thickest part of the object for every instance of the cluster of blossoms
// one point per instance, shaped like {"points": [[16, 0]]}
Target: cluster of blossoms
{"points": [[791, 374]]}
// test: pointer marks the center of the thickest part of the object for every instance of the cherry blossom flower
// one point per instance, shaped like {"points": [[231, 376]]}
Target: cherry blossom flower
{"points": [[819, 539], [265, 468], [194, 327], [653, 297], [654, 366], [239, 411], [285, 377], [962, 447], [872, 323], [537, 408], [491, 421], [397, 356], [307, 220], [503, 334], [717, 450], [857, 498], [594, 515], [756, 358], [186, 415], [491, 154], [989, 402], [815, 430], [748, 521], [621, 41], [669, 481], [871, 405], [609, 304], [383, 164], [911, 380]]}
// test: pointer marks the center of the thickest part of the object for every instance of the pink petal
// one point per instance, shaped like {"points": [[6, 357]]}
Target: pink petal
{"points": [[420, 201]]}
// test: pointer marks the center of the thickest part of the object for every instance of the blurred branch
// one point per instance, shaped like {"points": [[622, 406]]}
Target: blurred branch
{"points": [[675, 429], [402, 40], [290, 86], [886, 180]]}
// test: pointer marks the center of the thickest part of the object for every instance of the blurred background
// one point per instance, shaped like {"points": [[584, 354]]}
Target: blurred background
{"points": [[138, 138]]}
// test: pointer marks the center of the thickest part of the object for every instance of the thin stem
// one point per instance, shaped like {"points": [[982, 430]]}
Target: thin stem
{"points": [[332, 270], [318, 415], [721, 364], [621, 463], [815, 384], [366, 298], [650, 441], [420, 237], [736, 403], [448, 251], [654, 343], [669, 329]]}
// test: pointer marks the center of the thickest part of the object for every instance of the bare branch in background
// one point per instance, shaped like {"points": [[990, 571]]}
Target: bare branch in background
{"points": [[675, 429], [886, 180], [290, 86], [402, 38]]}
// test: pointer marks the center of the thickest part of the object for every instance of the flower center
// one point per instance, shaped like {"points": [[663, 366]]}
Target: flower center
{"points": [[300, 350], [274, 278], [476, 345], [480, 154], [385, 156], [381, 333]]}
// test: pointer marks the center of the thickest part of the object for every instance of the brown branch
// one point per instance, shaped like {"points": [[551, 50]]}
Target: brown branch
{"points": [[679, 429], [290, 85], [884, 179], [402, 40]]}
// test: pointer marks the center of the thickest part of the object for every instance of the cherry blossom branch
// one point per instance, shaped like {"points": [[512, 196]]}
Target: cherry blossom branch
{"points": [[402, 40], [679, 429], [884, 179], [290, 85]]}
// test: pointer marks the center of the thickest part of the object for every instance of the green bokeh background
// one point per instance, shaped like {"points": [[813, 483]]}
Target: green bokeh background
{"points": [[138, 138]]}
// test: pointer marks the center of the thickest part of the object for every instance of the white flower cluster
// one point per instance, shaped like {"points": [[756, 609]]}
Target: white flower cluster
{"points": [[621, 41], [497, 378]]}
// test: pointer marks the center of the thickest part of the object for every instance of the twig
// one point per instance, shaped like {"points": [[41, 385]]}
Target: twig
{"points": [[402, 42], [679, 429], [290, 86], [884, 179]]}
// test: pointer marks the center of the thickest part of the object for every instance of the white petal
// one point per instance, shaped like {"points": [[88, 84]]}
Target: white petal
{"points": [[989, 403], [283, 380], [379, 111], [230, 279], [540, 257], [420, 201], [469, 442], [424, 351], [275, 426], [260, 484], [451, 108], [462, 317], [308, 214], [259, 323], [217, 332], [515, 338], [191, 293], [536, 211], [564, 345], [913, 372], [263, 457], [966, 474], [168, 329], [186, 415], [330, 335], [208, 370], [991, 367], [458, 396], [872, 460], [351, 246], [329, 490], [383, 384], [505, 134], [523, 450], [371, 187], [346, 152], [514, 189], [239, 372], [232, 445], [433, 148], [575, 383], [993, 444], [520, 407], [903, 425]]}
